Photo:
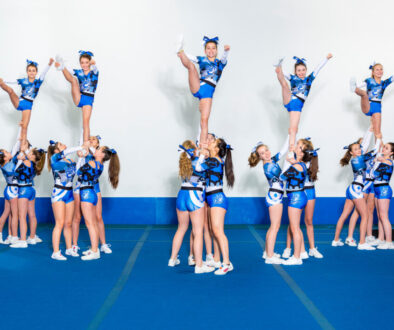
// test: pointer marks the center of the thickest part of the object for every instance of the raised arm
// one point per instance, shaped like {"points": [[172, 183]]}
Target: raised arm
{"points": [[285, 148], [17, 144], [321, 65], [225, 54], [366, 140], [46, 69]]}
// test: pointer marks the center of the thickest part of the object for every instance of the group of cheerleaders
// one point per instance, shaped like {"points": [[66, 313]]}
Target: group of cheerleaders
{"points": [[24, 162], [202, 166]]}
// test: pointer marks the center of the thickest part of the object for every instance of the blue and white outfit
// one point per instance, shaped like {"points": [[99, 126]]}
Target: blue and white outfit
{"points": [[88, 175], [29, 90], [370, 162], [382, 173], [210, 73], [375, 93], [272, 172], [300, 88], [309, 185], [25, 175], [64, 170], [11, 189], [214, 192], [87, 85], [191, 196], [295, 182]]}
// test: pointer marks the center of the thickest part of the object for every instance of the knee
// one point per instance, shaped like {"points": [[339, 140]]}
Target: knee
{"points": [[308, 223], [217, 231], [293, 130], [204, 121]]}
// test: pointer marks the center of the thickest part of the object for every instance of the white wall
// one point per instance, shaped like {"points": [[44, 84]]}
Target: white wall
{"points": [[143, 106]]}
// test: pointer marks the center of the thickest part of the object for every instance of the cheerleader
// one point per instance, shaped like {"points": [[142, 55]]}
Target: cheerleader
{"points": [[203, 86], [371, 99], [83, 86], [295, 96], [274, 197], [354, 193], [30, 87]]}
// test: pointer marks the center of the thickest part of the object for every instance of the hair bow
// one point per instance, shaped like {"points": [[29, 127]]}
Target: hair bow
{"points": [[257, 146], [98, 137], [84, 52], [189, 152], [299, 60], [1, 153], [346, 147], [212, 135], [372, 65], [32, 63], [52, 143], [113, 151], [41, 150], [307, 138], [229, 147], [313, 152], [206, 40]]}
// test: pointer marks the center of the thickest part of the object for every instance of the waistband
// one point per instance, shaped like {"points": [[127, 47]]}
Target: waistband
{"points": [[26, 99], [63, 187], [380, 184], [13, 185], [86, 187], [87, 94], [192, 188], [292, 191], [368, 179], [375, 101], [358, 184], [214, 192], [300, 98], [275, 190], [25, 185], [309, 187], [208, 82]]}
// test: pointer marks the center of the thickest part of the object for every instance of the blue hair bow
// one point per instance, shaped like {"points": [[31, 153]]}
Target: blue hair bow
{"points": [[113, 151], [229, 147], [98, 137], [299, 60], [52, 143], [258, 144], [206, 40], [372, 65], [41, 150], [189, 152], [212, 135], [32, 63], [1, 153], [83, 52], [346, 147], [314, 152], [307, 138]]}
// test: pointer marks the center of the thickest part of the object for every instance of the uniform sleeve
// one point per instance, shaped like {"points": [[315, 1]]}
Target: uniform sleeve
{"points": [[192, 58], [201, 166], [71, 150], [17, 144], [284, 149], [375, 149], [319, 67], [94, 69], [224, 57], [388, 81], [44, 72], [366, 141]]}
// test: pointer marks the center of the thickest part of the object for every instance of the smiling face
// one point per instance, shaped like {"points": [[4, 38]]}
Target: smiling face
{"points": [[264, 153], [387, 151], [300, 71], [31, 156], [211, 50], [213, 148], [299, 150], [31, 71], [94, 142], [85, 63], [377, 71], [355, 150], [211, 139], [60, 146], [7, 155]]}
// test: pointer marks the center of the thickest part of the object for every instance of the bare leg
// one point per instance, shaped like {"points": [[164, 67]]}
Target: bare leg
{"points": [[370, 207], [100, 221], [59, 211], [68, 220], [89, 214], [31, 211], [22, 210], [14, 98], [197, 218], [75, 90], [217, 220], [376, 124], [380, 224], [191, 254], [286, 93], [194, 78], [183, 224], [26, 114], [14, 217], [86, 113], [205, 110], [361, 207], [309, 210], [383, 205], [293, 129], [5, 215], [289, 238], [352, 223], [275, 212], [294, 217], [207, 232], [364, 100], [76, 218], [348, 207]]}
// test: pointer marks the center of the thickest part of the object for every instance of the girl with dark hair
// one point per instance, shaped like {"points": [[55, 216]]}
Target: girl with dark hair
{"points": [[295, 96], [30, 87], [219, 163], [382, 171], [31, 164], [203, 85], [274, 195], [354, 193], [83, 86], [295, 177], [309, 188], [63, 170], [190, 204], [371, 99], [88, 174]]}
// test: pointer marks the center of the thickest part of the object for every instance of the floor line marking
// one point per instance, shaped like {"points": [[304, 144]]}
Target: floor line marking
{"points": [[308, 304], [118, 287]]}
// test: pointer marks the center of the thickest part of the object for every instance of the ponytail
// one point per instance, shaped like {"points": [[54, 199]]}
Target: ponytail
{"points": [[225, 152], [114, 166], [185, 163], [51, 150], [348, 156], [39, 154], [253, 159], [2, 157], [311, 156]]}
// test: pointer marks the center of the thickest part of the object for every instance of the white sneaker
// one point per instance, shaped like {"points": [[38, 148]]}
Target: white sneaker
{"points": [[286, 253], [173, 262], [14, 239], [350, 241], [315, 253], [213, 263], [179, 44], [209, 258], [274, 261], [71, 252], [337, 243], [58, 255], [106, 248], [8, 240], [203, 269], [365, 246], [277, 255], [370, 239], [37, 239], [376, 242], [19, 244], [224, 269], [31, 241], [304, 255], [191, 261], [75, 248], [292, 261], [390, 245], [1, 239], [383, 246], [279, 62], [91, 255], [353, 84], [85, 253]]}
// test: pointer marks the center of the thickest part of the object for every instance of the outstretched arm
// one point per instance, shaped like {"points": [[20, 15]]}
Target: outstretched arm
{"points": [[366, 140], [320, 66], [17, 144], [285, 148], [225, 54], [46, 69]]}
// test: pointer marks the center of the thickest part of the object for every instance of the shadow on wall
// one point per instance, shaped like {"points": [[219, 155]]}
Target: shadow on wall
{"points": [[9, 115]]}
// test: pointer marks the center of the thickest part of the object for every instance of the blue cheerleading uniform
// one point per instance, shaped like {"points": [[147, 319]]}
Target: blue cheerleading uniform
{"points": [[309, 185], [87, 84], [63, 170], [210, 73], [11, 189], [295, 182], [25, 175], [214, 191], [87, 176], [300, 88], [191, 196], [382, 173], [375, 93]]}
